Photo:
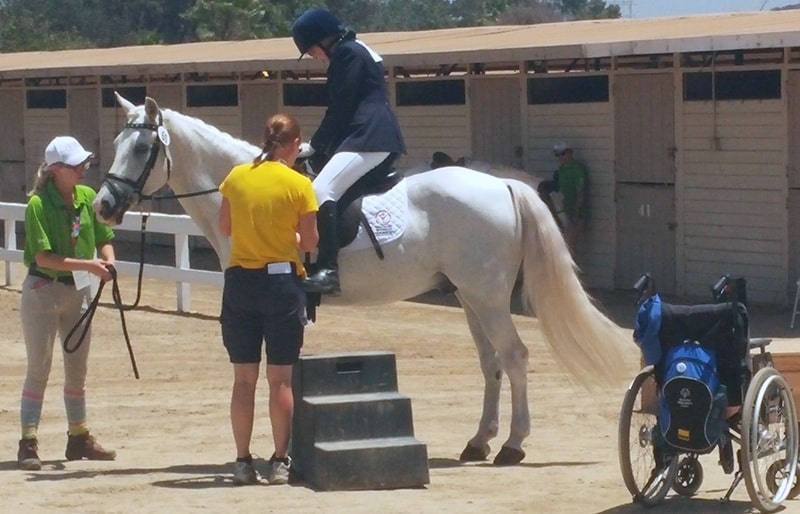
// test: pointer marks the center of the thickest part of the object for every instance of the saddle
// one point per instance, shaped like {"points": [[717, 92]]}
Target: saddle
{"points": [[377, 181]]}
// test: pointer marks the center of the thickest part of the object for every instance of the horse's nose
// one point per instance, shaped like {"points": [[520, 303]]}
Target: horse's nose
{"points": [[106, 208]]}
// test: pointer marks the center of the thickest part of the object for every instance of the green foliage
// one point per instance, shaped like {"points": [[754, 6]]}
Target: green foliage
{"points": [[60, 24]]}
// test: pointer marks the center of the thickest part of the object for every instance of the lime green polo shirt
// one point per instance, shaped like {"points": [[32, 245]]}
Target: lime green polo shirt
{"points": [[69, 231], [571, 179]]}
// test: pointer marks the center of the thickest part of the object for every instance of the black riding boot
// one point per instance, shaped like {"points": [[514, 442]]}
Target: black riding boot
{"points": [[326, 279]]}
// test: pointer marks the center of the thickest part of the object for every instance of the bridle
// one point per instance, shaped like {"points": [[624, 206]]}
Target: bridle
{"points": [[162, 139], [113, 182]]}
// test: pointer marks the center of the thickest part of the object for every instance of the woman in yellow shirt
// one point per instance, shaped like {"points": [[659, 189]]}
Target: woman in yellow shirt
{"points": [[269, 211]]}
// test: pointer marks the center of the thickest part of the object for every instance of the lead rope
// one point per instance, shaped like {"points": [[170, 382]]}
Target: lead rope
{"points": [[88, 316]]}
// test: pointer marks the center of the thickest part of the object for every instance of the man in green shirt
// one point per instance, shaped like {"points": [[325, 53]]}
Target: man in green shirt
{"points": [[572, 185]]}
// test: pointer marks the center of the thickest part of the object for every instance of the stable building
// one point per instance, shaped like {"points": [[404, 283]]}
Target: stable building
{"points": [[687, 124]]}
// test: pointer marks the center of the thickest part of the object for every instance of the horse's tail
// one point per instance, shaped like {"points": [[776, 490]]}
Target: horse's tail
{"points": [[587, 344]]}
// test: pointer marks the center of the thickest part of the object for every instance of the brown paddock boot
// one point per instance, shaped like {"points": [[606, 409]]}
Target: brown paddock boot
{"points": [[28, 455], [85, 446]]}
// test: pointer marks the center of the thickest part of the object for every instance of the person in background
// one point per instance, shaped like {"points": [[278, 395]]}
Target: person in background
{"points": [[269, 211], [359, 130], [570, 180], [62, 239]]}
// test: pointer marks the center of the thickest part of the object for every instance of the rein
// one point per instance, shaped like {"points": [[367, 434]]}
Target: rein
{"points": [[161, 139], [88, 316]]}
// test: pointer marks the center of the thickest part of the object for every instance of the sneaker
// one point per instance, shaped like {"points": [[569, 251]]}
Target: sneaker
{"points": [[28, 455], [279, 470], [85, 446], [244, 473]]}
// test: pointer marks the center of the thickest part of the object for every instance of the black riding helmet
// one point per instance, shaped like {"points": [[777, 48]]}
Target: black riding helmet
{"points": [[313, 26]]}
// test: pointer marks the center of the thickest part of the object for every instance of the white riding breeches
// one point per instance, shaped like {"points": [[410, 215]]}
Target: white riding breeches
{"points": [[342, 171]]}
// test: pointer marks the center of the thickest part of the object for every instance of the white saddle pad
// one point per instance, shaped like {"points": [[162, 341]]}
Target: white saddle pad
{"points": [[387, 214]]}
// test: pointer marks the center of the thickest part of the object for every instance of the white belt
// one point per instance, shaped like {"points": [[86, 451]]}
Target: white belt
{"points": [[279, 268]]}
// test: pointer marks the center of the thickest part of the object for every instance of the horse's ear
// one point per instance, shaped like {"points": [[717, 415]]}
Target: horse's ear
{"points": [[151, 108], [125, 104]]}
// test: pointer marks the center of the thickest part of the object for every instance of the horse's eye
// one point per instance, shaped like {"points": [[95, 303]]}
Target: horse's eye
{"points": [[141, 148]]}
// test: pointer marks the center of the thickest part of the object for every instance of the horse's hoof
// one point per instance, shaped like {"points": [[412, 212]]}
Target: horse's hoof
{"points": [[508, 456], [473, 454]]}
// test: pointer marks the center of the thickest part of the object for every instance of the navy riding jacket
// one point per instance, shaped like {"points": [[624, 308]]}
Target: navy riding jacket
{"points": [[358, 118]]}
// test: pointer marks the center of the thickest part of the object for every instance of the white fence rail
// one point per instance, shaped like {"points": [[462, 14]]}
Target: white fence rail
{"points": [[180, 226]]}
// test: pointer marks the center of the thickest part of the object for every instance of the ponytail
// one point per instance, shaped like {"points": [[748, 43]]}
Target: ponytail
{"points": [[43, 176], [280, 130]]}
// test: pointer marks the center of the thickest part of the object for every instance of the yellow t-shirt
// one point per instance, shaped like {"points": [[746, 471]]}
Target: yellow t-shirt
{"points": [[266, 203]]}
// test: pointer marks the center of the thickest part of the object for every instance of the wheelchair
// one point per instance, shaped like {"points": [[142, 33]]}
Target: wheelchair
{"points": [[765, 426]]}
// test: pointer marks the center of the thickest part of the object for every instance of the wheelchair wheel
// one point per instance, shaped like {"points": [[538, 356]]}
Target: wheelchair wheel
{"points": [[769, 440], [647, 470], [775, 474], [688, 477]]}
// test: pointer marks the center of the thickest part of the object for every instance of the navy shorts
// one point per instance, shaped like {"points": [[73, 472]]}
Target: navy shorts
{"points": [[261, 307]]}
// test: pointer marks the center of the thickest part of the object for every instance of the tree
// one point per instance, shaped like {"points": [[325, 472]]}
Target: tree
{"points": [[414, 15], [228, 19], [26, 26], [586, 9], [529, 13], [62, 24]]}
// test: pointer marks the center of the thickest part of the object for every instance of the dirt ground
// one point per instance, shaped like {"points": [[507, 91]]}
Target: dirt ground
{"points": [[172, 433]]}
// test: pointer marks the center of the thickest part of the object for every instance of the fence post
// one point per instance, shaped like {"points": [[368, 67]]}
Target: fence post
{"points": [[10, 228], [183, 290]]}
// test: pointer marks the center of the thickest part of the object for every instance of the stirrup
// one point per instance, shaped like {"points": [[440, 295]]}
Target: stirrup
{"points": [[324, 281]]}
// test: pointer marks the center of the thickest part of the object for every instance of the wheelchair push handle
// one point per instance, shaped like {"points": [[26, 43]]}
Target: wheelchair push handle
{"points": [[722, 287], [645, 287]]}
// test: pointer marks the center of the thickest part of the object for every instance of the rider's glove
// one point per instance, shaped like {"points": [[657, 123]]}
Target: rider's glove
{"points": [[306, 151]]}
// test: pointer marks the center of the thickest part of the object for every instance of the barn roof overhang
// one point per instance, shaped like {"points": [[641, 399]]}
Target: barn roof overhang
{"points": [[568, 40]]}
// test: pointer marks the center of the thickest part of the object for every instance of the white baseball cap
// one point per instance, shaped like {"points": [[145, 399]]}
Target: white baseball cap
{"points": [[65, 149], [560, 147]]}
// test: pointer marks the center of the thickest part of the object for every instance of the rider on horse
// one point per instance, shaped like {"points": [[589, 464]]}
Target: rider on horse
{"points": [[358, 133]]}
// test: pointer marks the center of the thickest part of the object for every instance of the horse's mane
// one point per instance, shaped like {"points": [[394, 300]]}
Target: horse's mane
{"points": [[221, 139]]}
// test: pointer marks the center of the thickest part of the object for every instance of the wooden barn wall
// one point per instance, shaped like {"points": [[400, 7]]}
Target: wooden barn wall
{"points": [[12, 147], [83, 105], [227, 119], [111, 120], [41, 125], [588, 127], [432, 128], [168, 96], [732, 212], [308, 117], [258, 102], [793, 174], [496, 124]]}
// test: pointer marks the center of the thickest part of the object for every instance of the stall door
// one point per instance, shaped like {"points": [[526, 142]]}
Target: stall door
{"points": [[644, 155], [12, 147], [495, 118], [84, 124]]}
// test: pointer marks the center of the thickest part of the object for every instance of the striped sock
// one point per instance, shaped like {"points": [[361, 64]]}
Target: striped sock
{"points": [[75, 404], [30, 412]]}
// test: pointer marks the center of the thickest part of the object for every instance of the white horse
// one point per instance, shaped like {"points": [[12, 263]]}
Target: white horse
{"points": [[464, 228]]}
